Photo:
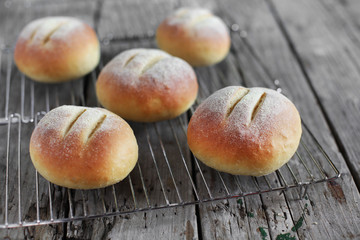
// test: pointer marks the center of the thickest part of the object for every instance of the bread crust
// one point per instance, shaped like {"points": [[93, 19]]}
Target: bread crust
{"points": [[245, 131], [195, 35], [57, 49], [83, 148], [147, 85]]}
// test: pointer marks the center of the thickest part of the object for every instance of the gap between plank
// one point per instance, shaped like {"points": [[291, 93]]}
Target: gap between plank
{"points": [[97, 14], [193, 176], [87, 79]]}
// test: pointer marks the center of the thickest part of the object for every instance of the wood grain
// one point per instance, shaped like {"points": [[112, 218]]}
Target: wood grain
{"points": [[333, 85], [278, 61], [310, 47]]}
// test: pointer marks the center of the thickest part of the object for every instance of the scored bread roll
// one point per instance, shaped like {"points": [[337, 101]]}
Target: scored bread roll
{"points": [[147, 85], [245, 131], [83, 148], [57, 49], [195, 35]]}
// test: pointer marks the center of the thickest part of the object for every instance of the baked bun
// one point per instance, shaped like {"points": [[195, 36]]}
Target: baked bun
{"points": [[147, 85], [195, 35], [83, 148], [245, 131], [57, 49]]}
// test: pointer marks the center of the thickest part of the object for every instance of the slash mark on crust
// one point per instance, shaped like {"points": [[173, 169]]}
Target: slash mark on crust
{"points": [[130, 59], [48, 36], [236, 98], [73, 122], [257, 106], [97, 126], [151, 63], [33, 34]]}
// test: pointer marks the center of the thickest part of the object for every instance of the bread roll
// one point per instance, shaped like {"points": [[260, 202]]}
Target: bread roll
{"points": [[83, 148], [195, 35], [245, 131], [57, 49], [147, 85]]}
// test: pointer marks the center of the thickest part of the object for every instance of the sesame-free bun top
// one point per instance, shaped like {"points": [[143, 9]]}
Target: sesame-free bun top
{"points": [[195, 35], [57, 49], [147, 85], [245, 131], [83, 148]]}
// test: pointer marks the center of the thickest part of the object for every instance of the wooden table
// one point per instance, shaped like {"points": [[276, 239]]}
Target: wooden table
{"points": [[311, 47]]}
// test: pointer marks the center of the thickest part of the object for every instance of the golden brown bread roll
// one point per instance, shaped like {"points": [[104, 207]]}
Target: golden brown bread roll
{"points": [[195, 35], [147, 85], [57, 49], [83, 148], [245, 131]]}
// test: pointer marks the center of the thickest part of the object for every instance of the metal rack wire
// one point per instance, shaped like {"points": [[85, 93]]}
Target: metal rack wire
{"points": [[310, 165], [167, 175]]}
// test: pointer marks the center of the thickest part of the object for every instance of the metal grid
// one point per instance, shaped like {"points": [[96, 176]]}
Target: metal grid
{"points": [[166, 175], [309, 165]]}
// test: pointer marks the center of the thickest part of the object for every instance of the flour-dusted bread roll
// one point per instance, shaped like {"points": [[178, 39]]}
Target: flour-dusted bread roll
{"points": [[83, 148], [195, 35], [147, 85], [245, 131], [57, 49]]}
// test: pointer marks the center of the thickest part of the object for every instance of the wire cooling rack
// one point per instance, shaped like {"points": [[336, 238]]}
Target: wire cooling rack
{"points": [[166, 175]]}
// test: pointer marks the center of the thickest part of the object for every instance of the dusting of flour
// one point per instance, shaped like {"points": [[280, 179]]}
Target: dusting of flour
{"points": [[239, 124], [149, 68], [201, 22], [54, 27], [73, 125]]}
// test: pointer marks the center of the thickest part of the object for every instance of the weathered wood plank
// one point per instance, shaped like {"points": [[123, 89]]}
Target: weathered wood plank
{"points": [[126, 19], [335, 86], [349, 10], [273, 53]]}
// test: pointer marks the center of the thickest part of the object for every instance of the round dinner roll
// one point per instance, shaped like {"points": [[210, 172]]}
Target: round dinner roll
{"points": [[245, 131], [56, 49], [195, 35], [147, 85], [83, 148]]}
